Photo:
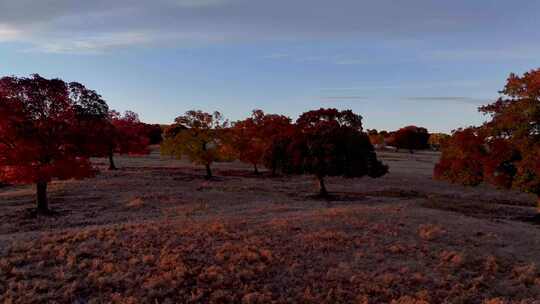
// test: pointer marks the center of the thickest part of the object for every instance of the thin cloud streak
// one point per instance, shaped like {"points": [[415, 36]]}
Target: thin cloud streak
{"points": [[343, 98], [418, 85], [460, 99], [337, 60]]}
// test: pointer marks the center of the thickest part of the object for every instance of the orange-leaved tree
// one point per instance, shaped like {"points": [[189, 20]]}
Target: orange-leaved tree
{"points": [[252, 138], [507, 147], [462, 158], [198, 135]]}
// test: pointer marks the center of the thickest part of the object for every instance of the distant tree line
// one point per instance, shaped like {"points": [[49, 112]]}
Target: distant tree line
{"points": [[409, 138]]}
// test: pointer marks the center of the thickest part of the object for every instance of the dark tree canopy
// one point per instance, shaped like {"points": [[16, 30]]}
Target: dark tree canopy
{"points": [[155, 133], [411, 138], [328, 142]]}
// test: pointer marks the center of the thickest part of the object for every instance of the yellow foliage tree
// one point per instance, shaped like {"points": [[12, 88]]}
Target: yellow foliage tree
{"points": [[198, 135]]}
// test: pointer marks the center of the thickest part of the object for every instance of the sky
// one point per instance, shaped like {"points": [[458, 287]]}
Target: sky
{"points": [[397, 63]]}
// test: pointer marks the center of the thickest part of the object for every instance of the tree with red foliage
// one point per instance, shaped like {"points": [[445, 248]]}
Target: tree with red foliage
{"points": [[252, 138], [411, 138], [247, 139], [462, 158], [510, 141], [126, 135], [277, 157], [328, 142], [40, 134]]}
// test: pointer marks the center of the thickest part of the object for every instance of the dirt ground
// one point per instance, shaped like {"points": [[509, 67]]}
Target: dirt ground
{"points": [[156, 232]]}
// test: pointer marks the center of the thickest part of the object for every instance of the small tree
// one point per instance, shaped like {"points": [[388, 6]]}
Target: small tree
{"points": [[462, 158], [329, 142], [247, 139], [40, 134], [198, 135], [125, 135], [507, 147], [253, 137], [411, 138]]}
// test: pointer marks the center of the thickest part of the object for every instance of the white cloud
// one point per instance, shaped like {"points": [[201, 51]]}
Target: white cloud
{"points": [[46, 23], [91, 44], [8, 33]]}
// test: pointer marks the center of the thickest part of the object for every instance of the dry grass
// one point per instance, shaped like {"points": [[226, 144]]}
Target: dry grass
{"points": [[156, 232]]}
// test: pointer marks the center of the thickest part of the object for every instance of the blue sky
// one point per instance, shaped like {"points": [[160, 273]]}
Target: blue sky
{"points": [[429, 63]]}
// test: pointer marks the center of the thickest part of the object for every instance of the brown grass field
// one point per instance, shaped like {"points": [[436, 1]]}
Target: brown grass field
{"points": [[156, 232]]}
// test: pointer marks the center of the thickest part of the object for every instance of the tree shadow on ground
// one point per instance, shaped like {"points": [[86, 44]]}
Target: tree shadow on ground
{"points": [[491, 210]]}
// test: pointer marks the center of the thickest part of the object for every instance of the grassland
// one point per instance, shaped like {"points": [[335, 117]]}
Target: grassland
{"points": [[156, 232]]}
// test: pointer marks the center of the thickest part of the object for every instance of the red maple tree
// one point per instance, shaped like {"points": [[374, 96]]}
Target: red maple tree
{"points": [[40, 134]]}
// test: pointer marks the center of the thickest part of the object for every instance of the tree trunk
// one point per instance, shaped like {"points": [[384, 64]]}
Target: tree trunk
{"points": [[112, 166], [255, 169], [322, 187], [41, 195], [208, 172]]}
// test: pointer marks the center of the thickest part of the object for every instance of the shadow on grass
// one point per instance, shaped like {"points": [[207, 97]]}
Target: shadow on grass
{"points": [[491, 210]]}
